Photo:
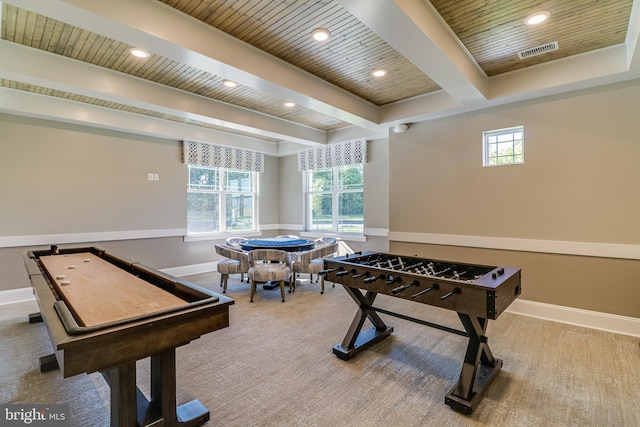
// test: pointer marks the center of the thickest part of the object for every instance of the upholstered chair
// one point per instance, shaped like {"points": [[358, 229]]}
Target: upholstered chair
{"points": [[268, 265], [312, 262], [234, 242], [236, 262]]}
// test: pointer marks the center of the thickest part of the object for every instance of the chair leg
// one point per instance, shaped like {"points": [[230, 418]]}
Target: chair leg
{"points": [[253, 289], [282, 289], [225, 279], [322, 285]]}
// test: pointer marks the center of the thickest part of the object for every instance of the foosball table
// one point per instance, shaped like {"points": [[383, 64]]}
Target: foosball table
{"points": [[476, 293]]}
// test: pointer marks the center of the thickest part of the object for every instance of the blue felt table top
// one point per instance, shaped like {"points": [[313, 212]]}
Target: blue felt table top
{"points": [[277, 241]]}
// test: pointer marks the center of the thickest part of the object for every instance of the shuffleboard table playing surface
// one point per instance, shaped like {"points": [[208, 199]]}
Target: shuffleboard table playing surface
{"points": [[98, 292]]}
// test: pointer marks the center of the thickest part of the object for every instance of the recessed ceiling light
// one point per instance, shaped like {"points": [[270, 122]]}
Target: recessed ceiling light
{"points": [[320, 34], [537, 17], [289, 104], [229, 83], [379, 72], [139, 53]]}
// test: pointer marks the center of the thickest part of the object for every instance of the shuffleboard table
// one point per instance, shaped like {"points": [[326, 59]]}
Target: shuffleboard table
{"points": [[103, 313]]}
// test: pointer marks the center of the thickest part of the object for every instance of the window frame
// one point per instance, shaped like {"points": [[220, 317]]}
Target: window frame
{"points": [[220, 187], [335, 193], [486, 149]]}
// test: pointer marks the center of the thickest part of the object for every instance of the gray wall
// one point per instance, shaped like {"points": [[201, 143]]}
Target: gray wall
{"points": [[579, 183], [60, 179]]}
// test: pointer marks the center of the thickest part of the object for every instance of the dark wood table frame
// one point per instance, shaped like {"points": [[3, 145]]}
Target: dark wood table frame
{"points": [[114, 349], [478, 369], [477, 294]]}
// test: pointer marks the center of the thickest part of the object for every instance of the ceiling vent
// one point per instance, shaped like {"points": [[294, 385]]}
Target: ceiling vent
{"points": [[539, 50], [330, 122]]}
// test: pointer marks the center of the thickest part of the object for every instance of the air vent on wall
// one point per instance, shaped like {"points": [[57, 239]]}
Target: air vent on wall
{"points": [[330, 122], [539, 50]]}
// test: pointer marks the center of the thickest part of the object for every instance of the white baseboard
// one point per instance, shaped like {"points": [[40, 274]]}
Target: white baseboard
{"points": [[574, 316], [16, 295], [186, 270]]}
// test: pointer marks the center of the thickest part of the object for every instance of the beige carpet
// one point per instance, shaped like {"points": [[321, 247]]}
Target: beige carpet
{"points": [[274, 367]]}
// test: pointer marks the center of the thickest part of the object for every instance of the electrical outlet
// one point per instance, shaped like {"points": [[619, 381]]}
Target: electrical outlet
{"points": [[156, 177], [150, 176]]}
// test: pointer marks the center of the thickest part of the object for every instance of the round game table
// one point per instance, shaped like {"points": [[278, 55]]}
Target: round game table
{"points": [[287, 244], [280, 243]]}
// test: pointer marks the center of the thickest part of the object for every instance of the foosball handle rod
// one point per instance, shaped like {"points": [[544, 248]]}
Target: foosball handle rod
{"points": [[455, 291], [433, 287]]}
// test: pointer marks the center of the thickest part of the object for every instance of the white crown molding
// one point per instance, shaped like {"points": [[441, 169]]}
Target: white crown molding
{"points": [[605, 250]]}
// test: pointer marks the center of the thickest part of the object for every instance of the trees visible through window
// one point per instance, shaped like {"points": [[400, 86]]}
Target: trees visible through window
{"points": [[220, 200], [503, 146], [335, 199]]}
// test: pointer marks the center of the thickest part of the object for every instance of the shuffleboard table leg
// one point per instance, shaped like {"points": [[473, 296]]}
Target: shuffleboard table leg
{"points": [[35, 318], [48, 363], [163, 394], [122, 381]]}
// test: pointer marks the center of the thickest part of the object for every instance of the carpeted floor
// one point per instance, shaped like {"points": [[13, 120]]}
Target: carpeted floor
{"points": [[274, 367]]}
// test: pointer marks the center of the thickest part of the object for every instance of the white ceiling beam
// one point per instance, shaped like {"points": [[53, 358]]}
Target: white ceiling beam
{"points": [[632, 41], [416, 30], [17, 102], [46, 69], [604, 66], [163, 30]]}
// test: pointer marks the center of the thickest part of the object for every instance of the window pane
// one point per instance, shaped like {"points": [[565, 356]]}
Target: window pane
{"points": [[321, 212], [203, 178], [238, 181], [350, 178], [517, 148], [351, 214], [239, 212], [202, 212], [505, 148], [321, 180]]}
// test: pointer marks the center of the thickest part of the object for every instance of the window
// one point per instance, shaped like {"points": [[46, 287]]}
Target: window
{"points": [[335, 199], [503, 146], [220, 200]]}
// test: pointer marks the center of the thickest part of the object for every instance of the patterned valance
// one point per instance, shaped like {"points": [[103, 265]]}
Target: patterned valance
{"points": [[220, 156], [341, 154]]}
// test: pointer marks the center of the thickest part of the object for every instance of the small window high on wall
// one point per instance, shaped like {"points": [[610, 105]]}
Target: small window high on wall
{"points": [[503, 146]]}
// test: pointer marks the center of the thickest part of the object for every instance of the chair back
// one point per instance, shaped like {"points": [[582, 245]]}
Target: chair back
{"points": [[272, 255], [305, 258], [327, 250], [234, 242], [233, 253]]}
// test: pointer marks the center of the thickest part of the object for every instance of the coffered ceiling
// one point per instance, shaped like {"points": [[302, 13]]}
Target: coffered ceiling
{"points": [[70, 60]]}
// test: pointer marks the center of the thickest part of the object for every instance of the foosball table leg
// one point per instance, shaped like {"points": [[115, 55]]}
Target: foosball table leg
{"points": [[478, 370], [357, 340]]}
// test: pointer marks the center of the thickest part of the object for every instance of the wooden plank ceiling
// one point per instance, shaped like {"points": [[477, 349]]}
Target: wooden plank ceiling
{"points": [[492, 32]]}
